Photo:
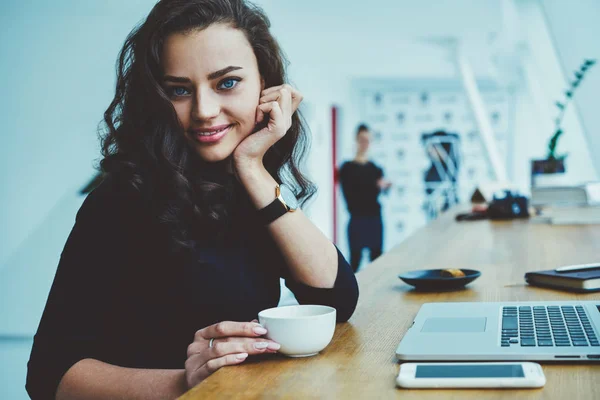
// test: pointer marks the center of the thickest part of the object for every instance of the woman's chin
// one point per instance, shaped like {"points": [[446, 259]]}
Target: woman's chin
{"points": [[214, 157]]}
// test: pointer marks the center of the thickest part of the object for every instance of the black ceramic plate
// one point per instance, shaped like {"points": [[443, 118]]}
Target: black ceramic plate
{"points": [[432, 279]]}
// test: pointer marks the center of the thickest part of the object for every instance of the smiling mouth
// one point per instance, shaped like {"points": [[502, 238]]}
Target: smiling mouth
{"points": [[210, 133], [211, 136]]}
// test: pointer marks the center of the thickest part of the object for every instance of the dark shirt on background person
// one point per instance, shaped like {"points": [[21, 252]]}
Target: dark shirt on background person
{"points": [[360, 189]]}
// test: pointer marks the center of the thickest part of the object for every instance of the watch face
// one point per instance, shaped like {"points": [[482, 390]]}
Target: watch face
{"points": [[288, 197]]}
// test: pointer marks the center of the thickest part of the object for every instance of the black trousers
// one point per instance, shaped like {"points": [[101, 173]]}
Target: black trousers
{"points": [[364, 232]]}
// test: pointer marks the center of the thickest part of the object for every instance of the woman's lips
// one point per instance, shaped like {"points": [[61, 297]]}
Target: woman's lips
{"points": [[212, 135]]}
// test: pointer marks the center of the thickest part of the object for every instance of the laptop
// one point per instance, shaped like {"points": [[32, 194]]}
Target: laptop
{"points": [[538, 331]]}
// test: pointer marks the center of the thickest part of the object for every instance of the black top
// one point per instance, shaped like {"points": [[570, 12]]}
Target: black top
{"points": [[359, 185], [121, 296]]}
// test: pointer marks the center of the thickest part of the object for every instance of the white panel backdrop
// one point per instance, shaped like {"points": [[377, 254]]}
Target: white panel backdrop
{"points": [[398, 113]]}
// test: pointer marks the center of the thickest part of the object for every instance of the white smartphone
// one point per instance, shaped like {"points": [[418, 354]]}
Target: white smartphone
{"points": [[471, 375]]}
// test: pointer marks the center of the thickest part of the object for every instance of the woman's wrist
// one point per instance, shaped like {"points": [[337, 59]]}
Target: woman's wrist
{"points": [[257, 181], [247, 165]]}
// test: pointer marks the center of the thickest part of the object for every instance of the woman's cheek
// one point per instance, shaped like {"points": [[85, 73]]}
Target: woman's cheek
{"points": [[182, 115], [249, 115]]}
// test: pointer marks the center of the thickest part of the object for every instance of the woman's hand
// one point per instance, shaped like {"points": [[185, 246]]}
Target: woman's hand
{"points": [[232, 342], [278, 104]]}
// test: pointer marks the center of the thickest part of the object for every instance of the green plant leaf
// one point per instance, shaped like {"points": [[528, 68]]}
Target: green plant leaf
{"points": [[552, 143]]}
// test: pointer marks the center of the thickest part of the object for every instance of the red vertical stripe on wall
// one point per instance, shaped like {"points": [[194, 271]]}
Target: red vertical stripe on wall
{"points": [[334, 171]]}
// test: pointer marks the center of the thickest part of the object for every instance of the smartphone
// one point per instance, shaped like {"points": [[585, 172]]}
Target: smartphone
{"points": [[471, 375]]}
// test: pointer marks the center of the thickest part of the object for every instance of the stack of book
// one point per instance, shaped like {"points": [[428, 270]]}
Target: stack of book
{"points": [[568, 205]]}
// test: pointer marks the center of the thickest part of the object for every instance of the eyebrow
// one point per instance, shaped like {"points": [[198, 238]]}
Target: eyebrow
{"points": [[211, 76]]}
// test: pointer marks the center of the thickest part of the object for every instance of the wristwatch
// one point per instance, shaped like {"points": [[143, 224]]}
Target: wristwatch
{"points": [[285, 201]]}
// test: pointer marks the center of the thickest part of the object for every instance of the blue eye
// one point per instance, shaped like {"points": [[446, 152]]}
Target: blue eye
{"points": [[178, 91], [229, 83]]}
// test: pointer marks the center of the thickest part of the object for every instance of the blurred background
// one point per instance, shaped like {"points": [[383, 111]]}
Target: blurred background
{"points": [[486, 73]]}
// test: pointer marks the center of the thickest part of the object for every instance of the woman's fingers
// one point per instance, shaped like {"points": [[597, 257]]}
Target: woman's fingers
{"points": [[285, 102], [274, 94], [279, 103], [221, 349], [234, 344], [197, 373], [216, 363], [242, 340], [260, 115], [277, 122], [231, 328], [202, 362], [281, 97]]}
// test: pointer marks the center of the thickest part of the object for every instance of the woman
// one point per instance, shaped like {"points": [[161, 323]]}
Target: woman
{"points": [[185, 238]]}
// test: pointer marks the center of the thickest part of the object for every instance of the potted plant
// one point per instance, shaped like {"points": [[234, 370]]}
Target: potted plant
{"points": [[553, 163]]}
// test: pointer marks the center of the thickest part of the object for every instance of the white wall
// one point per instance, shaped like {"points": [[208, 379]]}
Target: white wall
{"points": [[544, 84], [57, 78], [575, 31]]}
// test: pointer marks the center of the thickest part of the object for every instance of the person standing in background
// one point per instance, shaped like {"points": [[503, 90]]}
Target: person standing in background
{"points": [[362, 181]]}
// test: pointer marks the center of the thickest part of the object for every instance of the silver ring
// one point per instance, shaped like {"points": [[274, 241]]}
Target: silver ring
{"points": [[210, 342]]}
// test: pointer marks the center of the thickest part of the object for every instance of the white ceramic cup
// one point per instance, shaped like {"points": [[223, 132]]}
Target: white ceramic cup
{"points": [[301, 330]]}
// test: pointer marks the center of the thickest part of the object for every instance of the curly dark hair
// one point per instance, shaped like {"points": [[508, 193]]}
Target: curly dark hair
{"points": [[143, 139]]}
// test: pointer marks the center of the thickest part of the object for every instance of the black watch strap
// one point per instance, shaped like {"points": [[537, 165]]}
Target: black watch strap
{"points": [[271, 212]]}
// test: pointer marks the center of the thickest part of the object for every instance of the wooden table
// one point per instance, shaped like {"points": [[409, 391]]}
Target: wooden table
{"points": [[360, 361]]}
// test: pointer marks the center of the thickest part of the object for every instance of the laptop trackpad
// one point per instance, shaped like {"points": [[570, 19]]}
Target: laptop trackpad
{"points": [[445, 325]]}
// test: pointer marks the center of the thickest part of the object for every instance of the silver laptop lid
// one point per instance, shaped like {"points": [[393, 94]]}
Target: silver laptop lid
{"points": [[532, 331]]}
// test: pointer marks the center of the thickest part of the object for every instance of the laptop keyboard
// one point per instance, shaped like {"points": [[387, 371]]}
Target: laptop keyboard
{"points": [[545, 326]]}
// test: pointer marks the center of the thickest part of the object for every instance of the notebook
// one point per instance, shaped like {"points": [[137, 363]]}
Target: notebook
{"points": [[576, 278]]}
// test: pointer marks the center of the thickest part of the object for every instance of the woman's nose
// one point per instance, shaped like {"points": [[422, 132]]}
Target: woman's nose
{"points": [[206, 105]]}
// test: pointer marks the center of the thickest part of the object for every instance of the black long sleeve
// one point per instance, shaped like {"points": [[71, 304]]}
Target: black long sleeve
{"points": [[122, 296], [343, 296]]}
